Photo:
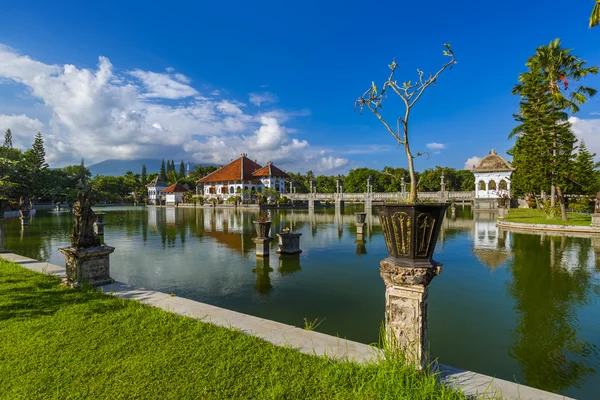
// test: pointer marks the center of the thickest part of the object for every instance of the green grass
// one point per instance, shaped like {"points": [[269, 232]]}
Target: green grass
{"points": [[57, 342], [535, 216]]}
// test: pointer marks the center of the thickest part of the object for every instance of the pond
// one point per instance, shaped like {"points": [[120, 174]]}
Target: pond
{"points": [[512, 305]]}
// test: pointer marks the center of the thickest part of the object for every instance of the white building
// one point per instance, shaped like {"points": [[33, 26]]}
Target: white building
{"points": [[492, 177], [240, 175], [174, 194], [155, 187]]}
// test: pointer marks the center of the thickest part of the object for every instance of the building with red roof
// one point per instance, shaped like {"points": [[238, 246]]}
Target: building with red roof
{"points": [[174, 194], [239, 175]]}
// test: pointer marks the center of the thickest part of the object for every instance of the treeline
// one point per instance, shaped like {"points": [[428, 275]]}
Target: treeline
{"points": [[386, 180], [27, 174]]}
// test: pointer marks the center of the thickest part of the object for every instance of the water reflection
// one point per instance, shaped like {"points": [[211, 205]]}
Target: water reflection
{"points": [[524, 306], [550, 281]]}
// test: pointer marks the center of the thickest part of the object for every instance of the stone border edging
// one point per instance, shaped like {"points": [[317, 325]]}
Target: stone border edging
{"points": [[309, 342], [547, 227]]}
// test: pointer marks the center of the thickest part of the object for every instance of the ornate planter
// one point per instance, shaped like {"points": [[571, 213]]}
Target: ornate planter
{"points": [[289, 243], [360, 217], [262, 228], [411, 231]]}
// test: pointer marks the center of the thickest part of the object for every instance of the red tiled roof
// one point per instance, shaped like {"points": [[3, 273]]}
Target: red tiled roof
{"points": [[237, 170], [270, 170], [175, 188]]}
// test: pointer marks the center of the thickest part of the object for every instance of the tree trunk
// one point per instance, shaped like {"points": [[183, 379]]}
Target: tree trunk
{"points": [[563, 206], [553, 188], [413, 179], [552, 196]]}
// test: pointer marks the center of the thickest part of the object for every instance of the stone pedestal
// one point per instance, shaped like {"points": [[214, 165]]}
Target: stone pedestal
{"points": [[289, 243], [99, 224], [596, 220], [311, 204], [88, 265], [360, 227], [262, 246], [406, 297]]}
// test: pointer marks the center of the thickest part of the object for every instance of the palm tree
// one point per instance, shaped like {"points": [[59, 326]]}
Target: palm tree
{"points": [[595, 17], [545, 89]]}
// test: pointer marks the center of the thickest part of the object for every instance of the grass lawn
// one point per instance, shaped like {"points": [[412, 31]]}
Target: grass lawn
{"points": [[535, 216], [57, 342]]}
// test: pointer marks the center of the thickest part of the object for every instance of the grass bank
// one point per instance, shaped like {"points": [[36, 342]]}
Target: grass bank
{"points": [[535, 216], [56, 342]]}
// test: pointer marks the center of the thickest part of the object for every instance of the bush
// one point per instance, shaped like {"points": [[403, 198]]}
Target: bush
{"points": [[551, 212], [284, 200]]}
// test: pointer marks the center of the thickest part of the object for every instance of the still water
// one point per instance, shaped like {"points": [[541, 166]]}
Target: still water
{"points": [[521, 307]]}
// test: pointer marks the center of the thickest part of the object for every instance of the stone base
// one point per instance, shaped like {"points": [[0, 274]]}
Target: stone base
{"points": [[596, 220], [99, 228], [262, 246], [406, 297], [360, 227], [88, 265], [289, 243]]}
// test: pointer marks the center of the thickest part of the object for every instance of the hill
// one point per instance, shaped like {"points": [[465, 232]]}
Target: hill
{"points": [[119, 167]]}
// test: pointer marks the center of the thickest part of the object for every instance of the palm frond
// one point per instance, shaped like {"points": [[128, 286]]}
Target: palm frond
{"points": [[595, 17]]}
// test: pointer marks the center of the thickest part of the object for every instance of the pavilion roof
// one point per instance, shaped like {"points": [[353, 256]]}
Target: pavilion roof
{"points": [[157, 182], [493, 163]]}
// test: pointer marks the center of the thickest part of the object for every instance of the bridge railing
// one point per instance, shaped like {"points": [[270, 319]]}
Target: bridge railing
{"points": [[461, 195]]}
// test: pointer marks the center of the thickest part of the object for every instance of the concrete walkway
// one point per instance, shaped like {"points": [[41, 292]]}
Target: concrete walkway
{"points": [[547, 227], [309, 342]]}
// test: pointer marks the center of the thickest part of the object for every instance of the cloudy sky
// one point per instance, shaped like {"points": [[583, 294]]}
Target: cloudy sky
{"points": [[276, 81]]}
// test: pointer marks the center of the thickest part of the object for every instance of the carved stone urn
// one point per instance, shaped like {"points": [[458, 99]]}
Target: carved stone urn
{"points": [[410, 232], [263, 228]]}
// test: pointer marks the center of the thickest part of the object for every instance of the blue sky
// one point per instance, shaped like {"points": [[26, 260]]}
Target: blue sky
{"points": [[277, 80]]}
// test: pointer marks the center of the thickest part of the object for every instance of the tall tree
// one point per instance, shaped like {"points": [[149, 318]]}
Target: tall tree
{"points": [[144, 176], [584, 174], [163, 171], [546, 99], [8, 139], [181, 170], [39, 153], [595, 17]]}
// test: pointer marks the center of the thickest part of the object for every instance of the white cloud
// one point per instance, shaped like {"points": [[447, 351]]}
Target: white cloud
{"points": [[164, 85], [435, 145], [589, 131], [332, 163], [22, 127], [99, 114], [262, 98], [472, 162]]}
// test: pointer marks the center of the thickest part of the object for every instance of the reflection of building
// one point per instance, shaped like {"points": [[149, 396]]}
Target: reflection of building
{"points": [[492, 177], [239, 175], [155, 187], [491, 245]]}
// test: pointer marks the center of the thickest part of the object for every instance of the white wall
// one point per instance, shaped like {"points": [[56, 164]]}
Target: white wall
{"points": [[487, 178]]}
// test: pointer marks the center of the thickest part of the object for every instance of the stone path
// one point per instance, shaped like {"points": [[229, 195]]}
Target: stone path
{"points": [[309, 342]]}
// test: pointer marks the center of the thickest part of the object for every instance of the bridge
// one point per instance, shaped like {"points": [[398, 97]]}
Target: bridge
{"points": [[370, 198]]}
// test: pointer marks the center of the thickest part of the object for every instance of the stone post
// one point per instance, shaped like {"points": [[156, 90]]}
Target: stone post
{"points": [[403, 186], [289, 243], [360, 222], [262, 246], [99, 224], [24, 216], [596, 220], [311, 203], [406, 297], [88, 265]]}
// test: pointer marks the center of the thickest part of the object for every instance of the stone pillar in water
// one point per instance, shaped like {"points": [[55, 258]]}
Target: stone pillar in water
{"points": [[406, 297], [99, 224], [262, 246], [289, 243]]}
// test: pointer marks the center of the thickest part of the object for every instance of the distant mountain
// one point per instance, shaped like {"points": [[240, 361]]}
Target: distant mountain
{"points": [[120, 167]]}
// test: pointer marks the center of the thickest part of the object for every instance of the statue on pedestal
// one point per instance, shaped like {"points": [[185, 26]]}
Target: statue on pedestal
{"points": [[87, 260], [83, 223]]}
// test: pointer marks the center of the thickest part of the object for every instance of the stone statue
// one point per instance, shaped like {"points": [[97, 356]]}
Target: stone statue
{"points": [[83, 223], [597, 206]]}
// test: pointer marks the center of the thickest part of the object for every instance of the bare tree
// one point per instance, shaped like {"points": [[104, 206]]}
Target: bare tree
{"points": [[409, 92]]}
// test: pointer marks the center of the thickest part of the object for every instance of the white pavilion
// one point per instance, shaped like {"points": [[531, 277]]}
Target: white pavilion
{"points": [[492, 177]]}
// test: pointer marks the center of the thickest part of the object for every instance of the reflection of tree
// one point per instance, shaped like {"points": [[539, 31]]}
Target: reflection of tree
{"points": [[262, 284], [547, 296]]}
